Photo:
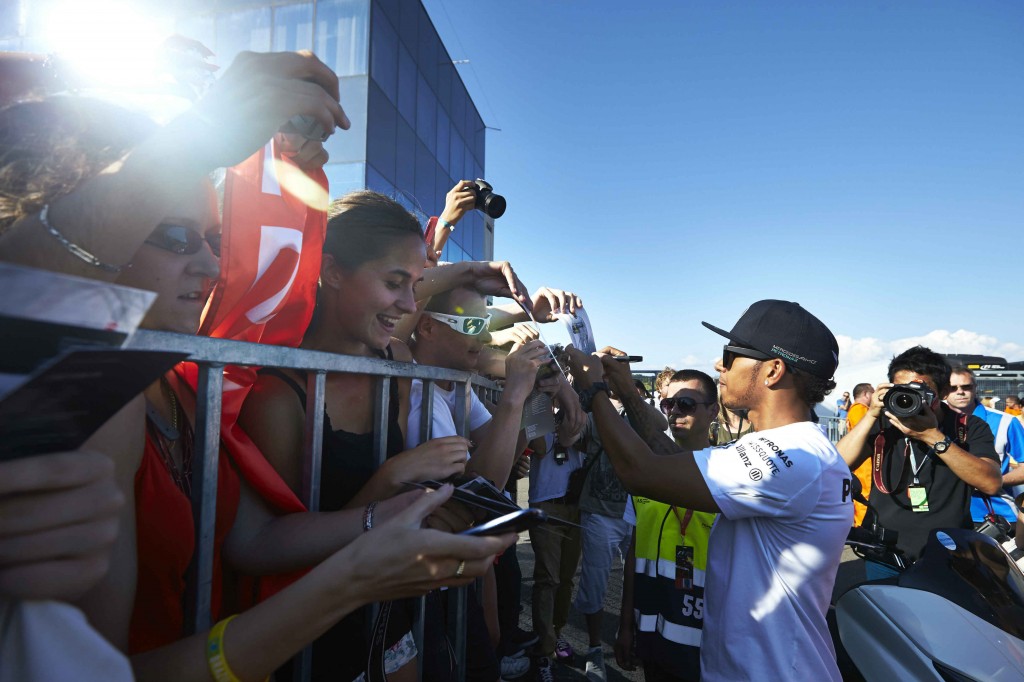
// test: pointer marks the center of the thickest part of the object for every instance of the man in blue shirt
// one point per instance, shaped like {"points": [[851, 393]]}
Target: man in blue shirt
{"points": [[1009, 437], [843, 406]]}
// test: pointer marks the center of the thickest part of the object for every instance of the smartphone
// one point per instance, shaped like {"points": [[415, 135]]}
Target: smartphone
{"points": [[516, 522], [429, 236], [628, 358]]}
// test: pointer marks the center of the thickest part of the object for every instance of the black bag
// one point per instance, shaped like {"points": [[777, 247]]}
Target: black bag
{"points": [[577, 479]]}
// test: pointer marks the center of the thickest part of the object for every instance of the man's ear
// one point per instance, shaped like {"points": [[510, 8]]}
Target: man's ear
{"points": [[776, 369], [424, 327], [330, 272], [714, 411]]}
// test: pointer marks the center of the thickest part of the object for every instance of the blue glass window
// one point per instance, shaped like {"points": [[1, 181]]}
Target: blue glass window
{"points": [[407, 78], [408, 24], [348, 146], [456, 158], [472, 124], [384, 64], [424, 175], [381, 134], [444, 134], [405, 166], [247, 29], [446, 76], [344, 178], [479, 143], [426, 113], [441, 187], [391, 9], [466, 231], [458, 109], [341, 35], [377, 182], [429, 45], [293, 27]]}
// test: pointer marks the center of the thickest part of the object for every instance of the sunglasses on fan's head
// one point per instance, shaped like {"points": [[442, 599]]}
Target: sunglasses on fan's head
{"points": [[682, 404], [730, 353], [470, 326], [182, 240]]}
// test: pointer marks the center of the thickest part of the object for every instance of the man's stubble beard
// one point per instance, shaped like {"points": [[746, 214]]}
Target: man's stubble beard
{"points": [[747, 398]]}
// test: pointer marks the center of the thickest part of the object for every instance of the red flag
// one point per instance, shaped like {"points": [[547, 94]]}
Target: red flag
{"points": [[274, 226]]}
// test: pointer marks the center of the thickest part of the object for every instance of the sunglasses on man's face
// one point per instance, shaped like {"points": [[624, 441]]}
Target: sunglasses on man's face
{"points": [[966, 388], [470, 326], [182, 240], [682, 405], [730, 353]]}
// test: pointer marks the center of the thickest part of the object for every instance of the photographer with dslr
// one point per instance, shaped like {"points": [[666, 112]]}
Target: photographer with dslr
{"points": [[465, 196], [928, 457]]}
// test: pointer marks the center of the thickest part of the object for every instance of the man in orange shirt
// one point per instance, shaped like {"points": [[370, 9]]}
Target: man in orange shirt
{"points": [[1013, 405], [861, 399]]}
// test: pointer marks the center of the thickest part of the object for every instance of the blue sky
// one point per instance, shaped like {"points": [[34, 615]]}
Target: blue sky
{"points": [[672, 162]]}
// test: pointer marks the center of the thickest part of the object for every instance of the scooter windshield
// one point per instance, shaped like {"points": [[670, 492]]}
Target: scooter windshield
{"points": [[971, 570]]}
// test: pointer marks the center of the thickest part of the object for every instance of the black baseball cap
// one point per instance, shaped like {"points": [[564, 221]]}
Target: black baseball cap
{"points": [[789, 332]]}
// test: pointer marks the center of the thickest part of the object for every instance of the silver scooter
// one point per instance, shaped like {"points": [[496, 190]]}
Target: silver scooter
{"points": [[957, 615]]}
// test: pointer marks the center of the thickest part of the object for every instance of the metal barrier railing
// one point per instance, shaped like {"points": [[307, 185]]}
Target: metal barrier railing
{"points": [[835, 427], [211, 355]]}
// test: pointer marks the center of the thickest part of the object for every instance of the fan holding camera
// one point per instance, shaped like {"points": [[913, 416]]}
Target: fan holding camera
{"points": [[926, 458]]}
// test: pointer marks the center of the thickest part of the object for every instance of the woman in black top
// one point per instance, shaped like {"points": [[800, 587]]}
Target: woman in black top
{"points": [[374, 255]]}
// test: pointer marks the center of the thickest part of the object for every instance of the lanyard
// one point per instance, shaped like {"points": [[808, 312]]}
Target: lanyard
{"points": [[684, 521], [914, 466], [961, 437]]}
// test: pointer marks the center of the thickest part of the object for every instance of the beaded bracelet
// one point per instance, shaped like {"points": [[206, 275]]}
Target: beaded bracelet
{"points": [[445, 223], [368, 516], [76, 250], [215, 658]]}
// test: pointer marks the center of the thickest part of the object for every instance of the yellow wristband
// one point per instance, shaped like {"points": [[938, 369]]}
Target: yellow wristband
{"points": [[215, 657]]}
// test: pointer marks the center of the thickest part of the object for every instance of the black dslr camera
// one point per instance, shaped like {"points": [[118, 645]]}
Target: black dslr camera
{"points": [[905, 400], [486, 200]]}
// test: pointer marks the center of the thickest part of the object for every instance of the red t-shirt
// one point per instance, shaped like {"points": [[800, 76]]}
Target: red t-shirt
{"points": [[165, 537]]}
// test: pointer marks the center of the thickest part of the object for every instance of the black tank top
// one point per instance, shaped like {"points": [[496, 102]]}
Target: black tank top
{"points": [[348, 458]]}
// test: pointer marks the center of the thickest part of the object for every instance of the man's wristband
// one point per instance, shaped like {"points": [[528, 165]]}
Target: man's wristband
{"points": [[587, 395], [445, 223]]}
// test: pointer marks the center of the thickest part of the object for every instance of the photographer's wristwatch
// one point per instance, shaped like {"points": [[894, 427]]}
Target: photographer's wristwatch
{"points": [[943, 445], [587, 394]]}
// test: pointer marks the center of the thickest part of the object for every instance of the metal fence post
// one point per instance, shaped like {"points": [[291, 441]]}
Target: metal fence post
{"points": [[426, 427], [458, 600], [313, 443], [204, 486]]}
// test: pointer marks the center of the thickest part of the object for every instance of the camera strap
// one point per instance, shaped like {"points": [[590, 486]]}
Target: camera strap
{"points": [[877, 462]]}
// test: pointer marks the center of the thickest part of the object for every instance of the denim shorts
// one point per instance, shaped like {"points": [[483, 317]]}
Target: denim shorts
{"points": [[603, 537]]}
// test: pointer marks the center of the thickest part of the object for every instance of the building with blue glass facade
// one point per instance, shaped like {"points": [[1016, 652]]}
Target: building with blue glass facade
{"points": [[415, 129]]}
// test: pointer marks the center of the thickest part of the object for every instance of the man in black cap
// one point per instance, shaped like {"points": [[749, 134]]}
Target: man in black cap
{"points": [[783, 494]]}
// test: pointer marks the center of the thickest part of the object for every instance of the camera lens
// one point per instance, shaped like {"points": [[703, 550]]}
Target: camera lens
{"points": [[904, 401], [494, 205]]}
